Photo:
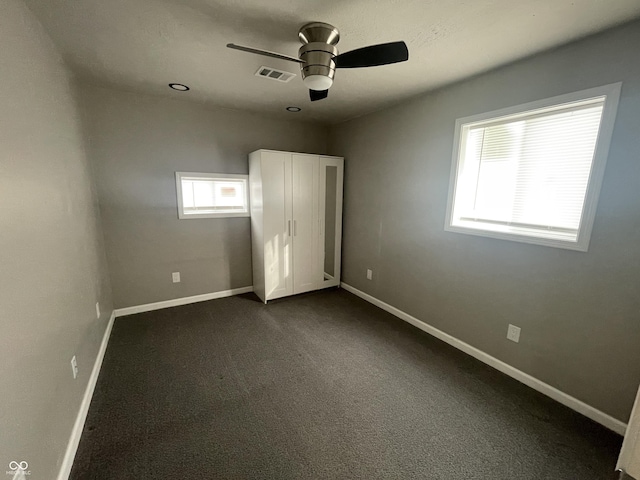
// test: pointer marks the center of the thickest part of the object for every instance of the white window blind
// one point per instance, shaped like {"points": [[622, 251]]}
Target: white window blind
{"points": [[210, 195], [528, 173]]}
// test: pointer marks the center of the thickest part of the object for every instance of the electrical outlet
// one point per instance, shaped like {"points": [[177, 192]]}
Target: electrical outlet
{"points": [[98, 310], [176, 277], [369, 274], [74, 367], [513, 333]]}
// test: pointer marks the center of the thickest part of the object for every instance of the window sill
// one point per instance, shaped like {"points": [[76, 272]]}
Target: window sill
{"points": [[522, 238], [193, 216]]}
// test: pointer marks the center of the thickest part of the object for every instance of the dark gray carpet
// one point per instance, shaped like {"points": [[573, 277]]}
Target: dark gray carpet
{"points": [[322, 385]]}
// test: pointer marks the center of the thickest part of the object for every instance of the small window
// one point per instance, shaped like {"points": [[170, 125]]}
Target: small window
{"points": [[532, 173], [212, 195]]}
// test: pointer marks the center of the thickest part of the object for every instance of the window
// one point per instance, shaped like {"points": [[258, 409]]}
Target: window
{"points": [[532, 173], [212, 195]]}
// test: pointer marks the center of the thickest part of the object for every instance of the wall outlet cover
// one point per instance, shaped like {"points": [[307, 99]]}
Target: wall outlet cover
{"points": [[98, 310], [513, 333], [369, 274], [175, 277]]}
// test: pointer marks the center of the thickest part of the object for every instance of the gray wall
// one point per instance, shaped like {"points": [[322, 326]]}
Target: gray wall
{"points": [[52, 264], [138, 142], [579, 312]]}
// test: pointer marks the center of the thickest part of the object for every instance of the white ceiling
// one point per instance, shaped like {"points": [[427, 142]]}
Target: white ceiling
{"points": [[143, 45]]}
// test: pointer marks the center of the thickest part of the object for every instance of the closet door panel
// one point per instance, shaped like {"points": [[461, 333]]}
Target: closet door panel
{"points": [[306, 274], [277, 199]]}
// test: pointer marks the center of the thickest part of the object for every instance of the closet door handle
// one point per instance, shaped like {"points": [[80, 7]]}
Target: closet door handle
{"points": [[289, 227]]}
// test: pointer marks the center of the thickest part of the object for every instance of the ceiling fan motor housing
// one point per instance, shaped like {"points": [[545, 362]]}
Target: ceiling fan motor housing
{"points": [[318, 52], [319, 67]]}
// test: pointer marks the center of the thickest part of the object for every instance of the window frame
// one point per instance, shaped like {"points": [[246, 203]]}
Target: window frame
{"points": [[211, 176], [611, 92]]}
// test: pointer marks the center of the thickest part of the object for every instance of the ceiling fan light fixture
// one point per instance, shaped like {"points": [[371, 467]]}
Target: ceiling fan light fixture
{"points": [[318, 82]]}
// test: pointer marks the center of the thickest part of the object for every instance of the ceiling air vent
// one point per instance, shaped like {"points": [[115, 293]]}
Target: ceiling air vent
{"points": [[273, 74]]}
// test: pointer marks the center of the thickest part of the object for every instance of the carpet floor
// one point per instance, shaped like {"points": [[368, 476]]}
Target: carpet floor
{"points": [[318, 386]]}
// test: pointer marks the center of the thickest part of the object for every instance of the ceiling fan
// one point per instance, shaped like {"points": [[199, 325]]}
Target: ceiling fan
{"points": [[318, 57]]}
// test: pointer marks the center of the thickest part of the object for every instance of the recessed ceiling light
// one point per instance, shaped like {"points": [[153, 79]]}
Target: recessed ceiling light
{"points": [[178, 86], [293, 109]]}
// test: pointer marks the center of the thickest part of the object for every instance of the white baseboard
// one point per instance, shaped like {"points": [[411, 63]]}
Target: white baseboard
{"points": [[552, 392], [148, 307], [78, 426]]}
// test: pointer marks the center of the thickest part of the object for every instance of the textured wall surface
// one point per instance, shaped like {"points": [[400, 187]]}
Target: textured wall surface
{"points": [[579, 312], [138, 142], [52, 262]]}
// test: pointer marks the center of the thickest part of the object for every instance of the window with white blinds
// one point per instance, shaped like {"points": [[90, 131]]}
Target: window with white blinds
{"points": [[531, 173], [208, 195]]}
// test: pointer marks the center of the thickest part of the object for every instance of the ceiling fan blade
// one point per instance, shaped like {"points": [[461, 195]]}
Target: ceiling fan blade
{"points": [[374, 55], [264, 52], [318, 94]]}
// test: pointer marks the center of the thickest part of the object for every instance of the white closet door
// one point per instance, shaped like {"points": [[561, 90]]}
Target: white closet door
{"points": [[278, 224], [629, 460], [306, 274]]}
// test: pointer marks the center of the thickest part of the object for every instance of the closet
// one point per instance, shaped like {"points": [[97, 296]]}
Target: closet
{"points": [[296, 222]]}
